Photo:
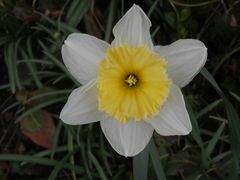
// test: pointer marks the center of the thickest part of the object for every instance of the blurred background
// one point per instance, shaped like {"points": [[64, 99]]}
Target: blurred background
{"points": [[34, 86]]}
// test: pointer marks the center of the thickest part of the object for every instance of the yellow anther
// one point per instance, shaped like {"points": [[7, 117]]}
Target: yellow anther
{"points": [[131, 80]]}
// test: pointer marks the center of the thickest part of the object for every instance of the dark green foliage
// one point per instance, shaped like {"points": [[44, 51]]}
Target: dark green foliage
{"points": [[33, 77]]}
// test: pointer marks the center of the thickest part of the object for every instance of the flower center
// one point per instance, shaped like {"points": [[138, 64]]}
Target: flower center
{"points": [[131, 80], [132, 83]]}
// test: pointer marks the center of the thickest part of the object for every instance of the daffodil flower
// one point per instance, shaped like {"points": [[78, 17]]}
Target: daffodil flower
{"points": [[131, 86]]}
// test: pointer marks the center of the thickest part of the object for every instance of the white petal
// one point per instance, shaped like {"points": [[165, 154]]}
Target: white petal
{"points": [[185, 58], [127, 139], [81, 54], [173, 119], [133, 28], [82, 106]]}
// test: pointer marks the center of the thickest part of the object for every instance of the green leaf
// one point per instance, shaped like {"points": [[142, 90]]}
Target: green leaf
{"points": [[212, 143], [37, 160], [58, 63], [235, 96], [221, 156], [64, 27], [197, 136], [233, 121], [40, 106], [76, 12], [208, 108], [8, 52], [227, 56], [31, 68], [59, 166], [98, 166], [152, 8], [156, 161], [140, 165], [111, 15]]}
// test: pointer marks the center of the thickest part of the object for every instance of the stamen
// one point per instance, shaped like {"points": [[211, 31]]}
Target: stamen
{"points": [[131, 80]]}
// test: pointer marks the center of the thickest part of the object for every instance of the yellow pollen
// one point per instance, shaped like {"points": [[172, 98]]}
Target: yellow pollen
{"points": [[132, 83], [131, 80]]}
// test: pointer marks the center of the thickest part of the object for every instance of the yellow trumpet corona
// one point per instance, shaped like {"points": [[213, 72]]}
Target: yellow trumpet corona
{"points": [[138, 78]]}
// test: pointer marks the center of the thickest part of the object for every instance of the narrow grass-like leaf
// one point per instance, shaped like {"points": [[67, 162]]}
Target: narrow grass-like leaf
{"points": [[70, 150], [48, 152], [152, 8], [220, 119], [193, 4], [226, 57], [211, 134], [64, 27], [76, 15], [233, 121], [40, 106], [8, 52], [56, 139], [208, 108], [228, 164], [157, 10], [104, 155], [31, 66], [56, 44], [31, 69], [118, 174], [37, 160], [234, 124], [4, 86], [211, 80], [57, 63], [57, 80], [89, 145], [71, 9], [197, 136], [47, 73], [212, 143], [11, 106], [122, 7], [39, 61], [4, 40], [43, 28], [98, 166], [51, 93], [235, 96], [111, 15], [195, 128], [15, 67], [58, 167], [155, 32], [140, 165], [156, 161], [81, 143], [221, 156]]}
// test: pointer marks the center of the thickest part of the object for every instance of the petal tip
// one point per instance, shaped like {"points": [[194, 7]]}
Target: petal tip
{"points": [[187, 131], [136, 7], [64, 116]]}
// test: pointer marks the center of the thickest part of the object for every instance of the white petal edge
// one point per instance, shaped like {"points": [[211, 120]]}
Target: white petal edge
{"points": [[82, 106], [133, 28], [81, 54], [173, 118], [127, 139], [185, 57]]}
